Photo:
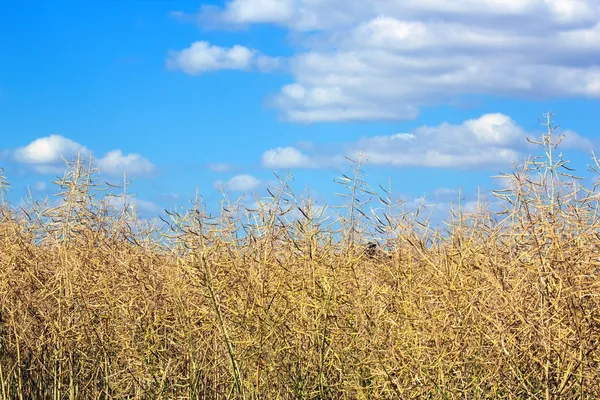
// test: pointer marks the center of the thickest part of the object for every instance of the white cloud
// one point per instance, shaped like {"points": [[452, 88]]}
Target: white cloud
{"points": [[40, 186], [310, 15], [118, 201], [270, 64], [445, 194], [239, 183], [46, 154], [116, 163], [286, 157], [202, 57], [148, 206], [302, 15], [490, 140], [572, 140], [259, 10], [220, 167], [384, 59]]}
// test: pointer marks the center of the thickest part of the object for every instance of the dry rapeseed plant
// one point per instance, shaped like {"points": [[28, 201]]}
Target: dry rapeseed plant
{"points": [[281, 301]]}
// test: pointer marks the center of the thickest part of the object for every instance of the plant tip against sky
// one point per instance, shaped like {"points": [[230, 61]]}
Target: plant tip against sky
{"points": [[436, 95]]}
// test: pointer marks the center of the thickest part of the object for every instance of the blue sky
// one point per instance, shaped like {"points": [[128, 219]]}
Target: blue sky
{"points": [[184, 94]]}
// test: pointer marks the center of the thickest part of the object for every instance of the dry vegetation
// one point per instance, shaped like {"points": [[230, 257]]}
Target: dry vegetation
{"points": [[279, 302]]}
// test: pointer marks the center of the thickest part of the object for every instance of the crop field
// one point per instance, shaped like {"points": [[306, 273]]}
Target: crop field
{"points": [[282, 301]]}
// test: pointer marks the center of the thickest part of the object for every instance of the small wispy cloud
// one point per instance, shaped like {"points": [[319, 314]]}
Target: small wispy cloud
{"points": [[221, 167], [40, 186]]}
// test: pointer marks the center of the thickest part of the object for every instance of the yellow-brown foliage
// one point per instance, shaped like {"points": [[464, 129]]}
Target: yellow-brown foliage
{"points": [[274, 304]]}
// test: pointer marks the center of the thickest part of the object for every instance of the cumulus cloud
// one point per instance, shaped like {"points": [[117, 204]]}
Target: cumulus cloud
{"points": [[286, 157], [117, 163], [202, 57], [490, 140], [45, 155], [328, 15], [385, 59], [47, 150], [239, 183], [259, 10]]}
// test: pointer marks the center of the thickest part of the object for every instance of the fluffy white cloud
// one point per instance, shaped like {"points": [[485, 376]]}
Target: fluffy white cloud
{"points": [[384, 59], [203, 57], [259, 11], [45, 155], [116, 163], [286, 157], [239, 183], [310, 15], [303, 15], [490, 140]]}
